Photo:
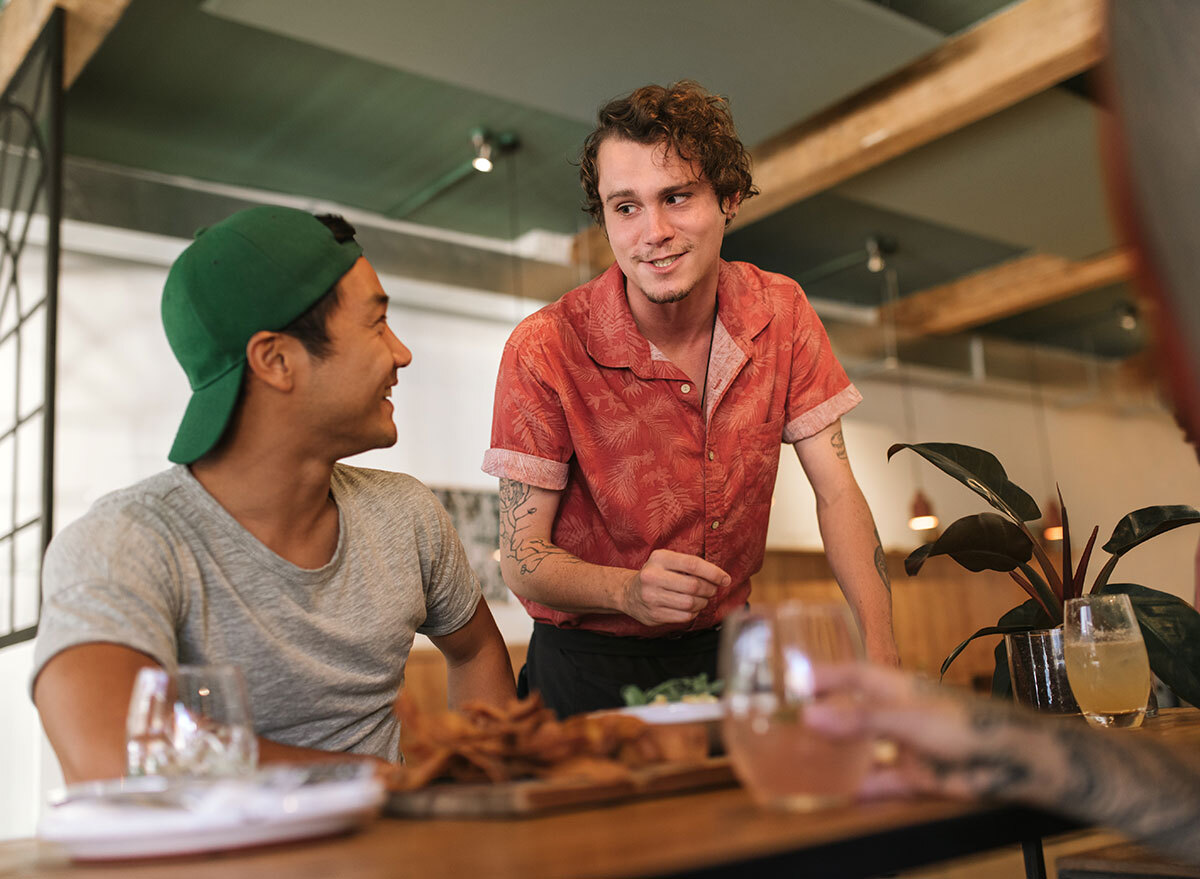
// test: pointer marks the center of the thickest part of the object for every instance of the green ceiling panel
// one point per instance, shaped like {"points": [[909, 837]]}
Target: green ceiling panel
{"points": [[168, 92]]}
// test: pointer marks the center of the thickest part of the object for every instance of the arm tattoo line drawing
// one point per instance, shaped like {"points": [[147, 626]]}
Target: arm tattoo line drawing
{"points": [[839, 445], [529, 551], [1138, 787], [881, 562]]}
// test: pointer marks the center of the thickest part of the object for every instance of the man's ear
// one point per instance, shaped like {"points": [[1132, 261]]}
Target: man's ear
{"points": [[730, 207], [272, 358]]}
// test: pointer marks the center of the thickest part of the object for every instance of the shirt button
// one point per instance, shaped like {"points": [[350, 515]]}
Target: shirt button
{"points": [[686, 388], [716, 524], [711, 454]]}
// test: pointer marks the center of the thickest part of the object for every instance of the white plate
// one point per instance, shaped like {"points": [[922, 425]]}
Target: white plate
{"points": [[676, 712], [145, 818]]}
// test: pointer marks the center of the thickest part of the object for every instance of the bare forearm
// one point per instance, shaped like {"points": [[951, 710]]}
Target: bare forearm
{"points": [[858, 561], [485, 677], [565, 583], [536, 569], [1134, 785], [273, 752]]}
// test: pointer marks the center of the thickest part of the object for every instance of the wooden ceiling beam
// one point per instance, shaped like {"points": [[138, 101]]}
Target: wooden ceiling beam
{"points": [[1001, 61], [1021, 51], [1004, 290], [88, 22]]}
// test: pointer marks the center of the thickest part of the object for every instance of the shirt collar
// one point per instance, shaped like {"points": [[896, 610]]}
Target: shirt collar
{"points": [[614, 340]]}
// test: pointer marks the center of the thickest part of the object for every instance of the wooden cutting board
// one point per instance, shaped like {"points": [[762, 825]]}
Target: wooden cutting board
{"points": [[518, 799]]}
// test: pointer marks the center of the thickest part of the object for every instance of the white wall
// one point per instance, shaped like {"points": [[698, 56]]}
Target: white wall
{"points": [[121, 395], [1106, 465]]}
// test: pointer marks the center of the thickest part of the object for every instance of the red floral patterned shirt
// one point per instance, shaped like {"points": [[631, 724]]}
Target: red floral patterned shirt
{"points": [[587, 405]]}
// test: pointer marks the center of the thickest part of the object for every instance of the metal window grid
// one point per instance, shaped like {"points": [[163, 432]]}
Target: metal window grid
{"points": [[31, 125]]}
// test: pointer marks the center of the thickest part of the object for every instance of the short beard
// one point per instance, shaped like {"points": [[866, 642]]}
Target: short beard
{"points": [[668, 297]]}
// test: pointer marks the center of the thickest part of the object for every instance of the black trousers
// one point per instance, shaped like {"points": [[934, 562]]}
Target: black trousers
{"points": [[578, 671]]}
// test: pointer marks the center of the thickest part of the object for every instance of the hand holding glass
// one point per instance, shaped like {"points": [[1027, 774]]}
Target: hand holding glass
{"points": [[767, 659], [1106, 660], [194, 722]]}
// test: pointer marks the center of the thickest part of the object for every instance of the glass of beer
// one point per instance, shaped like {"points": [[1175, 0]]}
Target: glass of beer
{"points": [[768, 654], [1106, 660]]}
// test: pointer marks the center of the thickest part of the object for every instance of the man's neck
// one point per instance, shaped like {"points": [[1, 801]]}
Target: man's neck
{"points": [[282, 498], [671, 325]]}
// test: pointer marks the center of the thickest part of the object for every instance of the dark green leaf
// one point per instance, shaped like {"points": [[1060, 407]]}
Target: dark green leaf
{"points": [[983, 542], [916, 558], [987, 630], [1029, 616], [1171, 629], [979, 471], [1001, 679], [631, 694], [1140, 525]]}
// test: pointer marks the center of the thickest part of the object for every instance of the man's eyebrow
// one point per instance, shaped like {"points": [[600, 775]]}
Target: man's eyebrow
{"points": [[380, 299], [665, 191], [620, 193]]}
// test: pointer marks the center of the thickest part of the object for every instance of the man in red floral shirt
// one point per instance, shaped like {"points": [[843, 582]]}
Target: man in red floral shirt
{"points": [[638, 420]]}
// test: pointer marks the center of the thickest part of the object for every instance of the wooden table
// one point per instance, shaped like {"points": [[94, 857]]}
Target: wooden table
{"points": [[707, 834]]}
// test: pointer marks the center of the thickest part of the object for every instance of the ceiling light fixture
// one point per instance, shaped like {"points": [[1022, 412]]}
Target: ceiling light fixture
{"points": [[482, 144], [1052, 529], [875, 260], [922, 517]]}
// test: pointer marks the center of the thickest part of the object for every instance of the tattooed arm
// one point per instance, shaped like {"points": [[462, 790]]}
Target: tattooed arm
{"points": [[969, 747], [851, 541], [670, 588]]}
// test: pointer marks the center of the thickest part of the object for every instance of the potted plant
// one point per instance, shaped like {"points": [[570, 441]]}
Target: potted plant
{"points": [[1003, 542]]}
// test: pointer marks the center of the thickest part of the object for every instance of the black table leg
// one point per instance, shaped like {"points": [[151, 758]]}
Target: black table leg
{"points": [[1035, 861]]}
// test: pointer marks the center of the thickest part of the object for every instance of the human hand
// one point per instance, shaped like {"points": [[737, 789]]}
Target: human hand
{"points": [[672, 587], [950, 744]]}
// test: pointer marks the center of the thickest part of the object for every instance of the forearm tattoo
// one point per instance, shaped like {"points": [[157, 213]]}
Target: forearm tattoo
{"points": [[1136, 786], [991, 771], [528, 551], [881, 563], [839, 445]]}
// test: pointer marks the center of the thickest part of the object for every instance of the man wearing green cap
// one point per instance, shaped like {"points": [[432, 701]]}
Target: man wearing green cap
{"points": [[258, 548]]}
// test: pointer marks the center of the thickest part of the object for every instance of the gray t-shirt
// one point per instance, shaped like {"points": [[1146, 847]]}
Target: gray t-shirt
{"points": [[161, 567]]}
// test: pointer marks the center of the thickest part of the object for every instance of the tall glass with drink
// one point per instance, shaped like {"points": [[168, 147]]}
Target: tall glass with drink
{"points": [[767, 657], [1106, 660]]}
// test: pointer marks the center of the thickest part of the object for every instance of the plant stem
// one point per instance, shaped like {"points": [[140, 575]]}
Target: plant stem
{"points": [[1045, 597], [1105, 572], [1055, 582]]}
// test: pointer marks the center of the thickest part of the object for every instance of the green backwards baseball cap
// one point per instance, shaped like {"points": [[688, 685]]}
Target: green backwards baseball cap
{"points": [[257, 270]]}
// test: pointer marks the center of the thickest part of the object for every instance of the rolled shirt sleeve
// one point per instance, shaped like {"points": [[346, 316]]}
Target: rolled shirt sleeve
{"points": [[531, 442], [819, 392]]}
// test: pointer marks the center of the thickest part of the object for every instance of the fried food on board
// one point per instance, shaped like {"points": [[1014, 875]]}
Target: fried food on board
{"points": [[481, 742]]}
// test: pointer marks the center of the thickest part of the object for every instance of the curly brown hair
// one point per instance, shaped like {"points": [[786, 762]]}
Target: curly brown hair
{"points": [[695, 124]]}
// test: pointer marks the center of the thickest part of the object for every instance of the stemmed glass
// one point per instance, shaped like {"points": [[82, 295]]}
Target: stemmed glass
{"points": [[1106, 660], [767, 659], [195, 722]]}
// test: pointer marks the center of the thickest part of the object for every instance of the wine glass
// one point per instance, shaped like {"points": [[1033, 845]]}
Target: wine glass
{"points": [[194, 722], [768, 655], [1106, 660]]}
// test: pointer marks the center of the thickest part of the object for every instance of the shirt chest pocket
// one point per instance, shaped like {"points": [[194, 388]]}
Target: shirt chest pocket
{"points": [[758, 448]]}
